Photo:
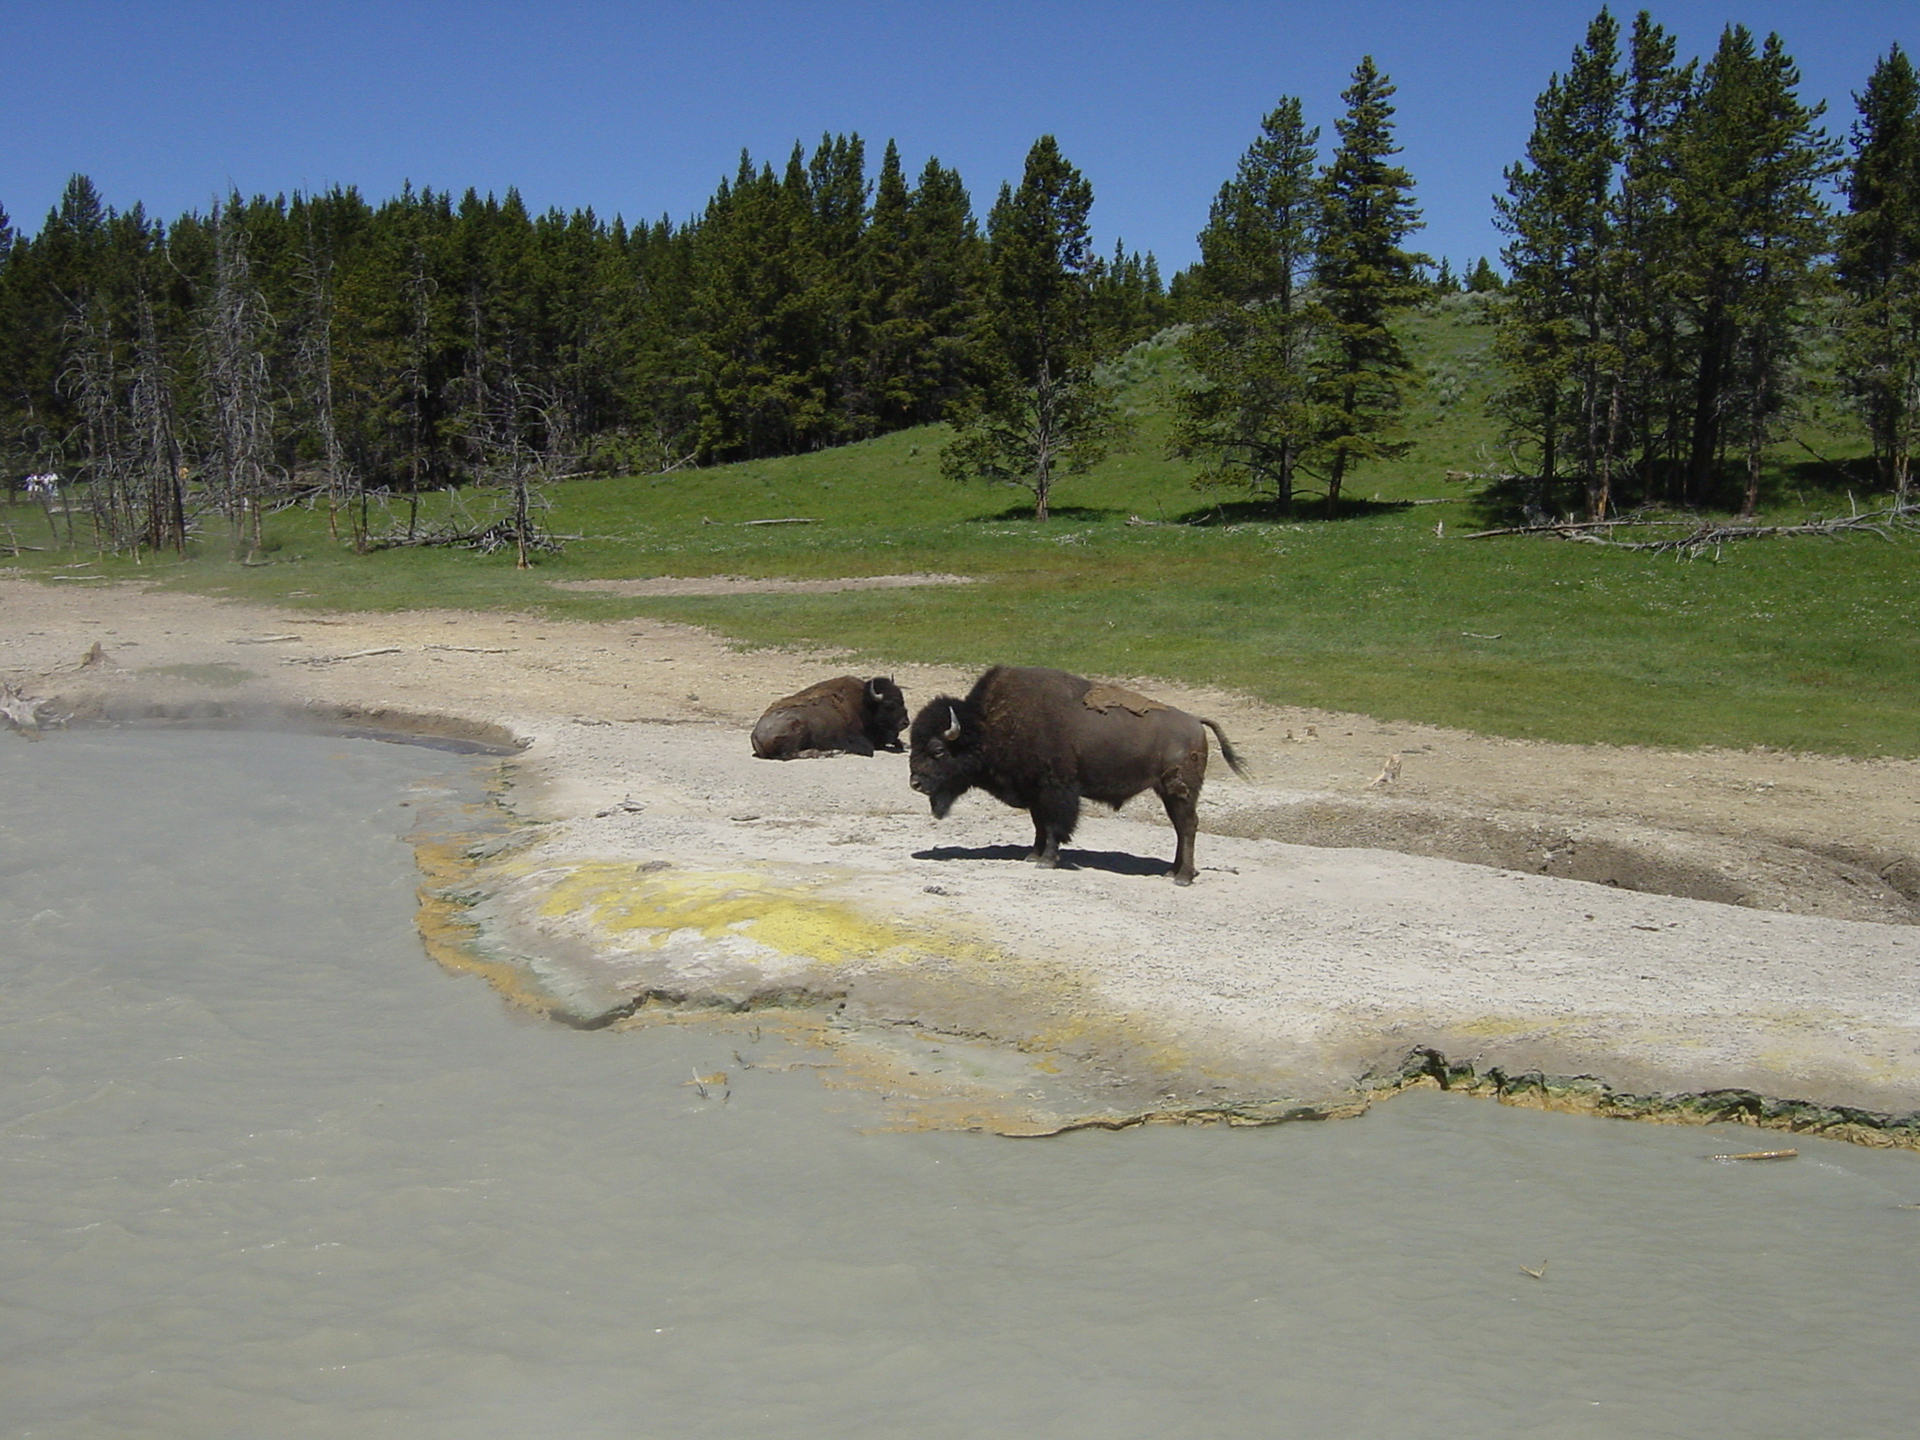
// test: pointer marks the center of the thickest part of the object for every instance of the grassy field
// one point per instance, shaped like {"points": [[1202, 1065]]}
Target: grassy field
{"points": [[1804, 644]]}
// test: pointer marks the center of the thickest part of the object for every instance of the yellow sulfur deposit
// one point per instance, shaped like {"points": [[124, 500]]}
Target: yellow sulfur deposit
{"points": [[791, 918]]}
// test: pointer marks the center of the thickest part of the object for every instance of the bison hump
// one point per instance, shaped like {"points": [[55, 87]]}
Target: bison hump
{"points": [[1107, 697]]}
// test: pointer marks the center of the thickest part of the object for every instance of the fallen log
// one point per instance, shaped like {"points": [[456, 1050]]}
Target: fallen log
{"points": [[336, 659], [1879, 522]]}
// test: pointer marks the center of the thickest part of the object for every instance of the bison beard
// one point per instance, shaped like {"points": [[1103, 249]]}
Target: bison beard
{"points": [[1043, 740]]}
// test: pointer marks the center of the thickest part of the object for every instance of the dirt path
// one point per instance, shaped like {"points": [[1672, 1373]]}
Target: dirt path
{"points": [[1754, 927]]}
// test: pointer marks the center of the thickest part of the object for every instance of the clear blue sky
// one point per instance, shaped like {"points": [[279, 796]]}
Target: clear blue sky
{"points": [[639, 109]]}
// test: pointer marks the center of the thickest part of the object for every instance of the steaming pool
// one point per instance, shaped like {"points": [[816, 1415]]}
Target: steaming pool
{"points": [[267, 1170]]}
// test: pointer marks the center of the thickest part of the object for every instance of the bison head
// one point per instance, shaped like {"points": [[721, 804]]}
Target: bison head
{"points": [[943, 761], [883, 713]]}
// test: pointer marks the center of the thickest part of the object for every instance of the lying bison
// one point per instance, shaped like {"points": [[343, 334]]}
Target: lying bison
{"points": [[842, 714], [1041, 740]]}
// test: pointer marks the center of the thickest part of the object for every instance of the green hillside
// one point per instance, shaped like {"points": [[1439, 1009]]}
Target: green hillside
{"points": [[1389, 610]]}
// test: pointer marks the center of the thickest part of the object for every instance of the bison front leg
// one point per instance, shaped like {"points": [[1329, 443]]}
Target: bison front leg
{"points": [[1054, 819]]}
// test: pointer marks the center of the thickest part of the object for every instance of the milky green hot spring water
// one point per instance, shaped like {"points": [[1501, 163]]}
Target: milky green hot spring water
{"points": [[266, 1171]]}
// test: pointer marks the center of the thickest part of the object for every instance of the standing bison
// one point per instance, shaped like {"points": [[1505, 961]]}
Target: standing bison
{"points": [[1042, 740], [842, 714]]}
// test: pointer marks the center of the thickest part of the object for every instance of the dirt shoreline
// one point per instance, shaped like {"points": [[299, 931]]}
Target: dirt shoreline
{"points": [[1751, 937]]}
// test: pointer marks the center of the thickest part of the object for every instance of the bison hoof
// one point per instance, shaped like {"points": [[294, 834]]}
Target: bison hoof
{"points": [[1186, 879]]}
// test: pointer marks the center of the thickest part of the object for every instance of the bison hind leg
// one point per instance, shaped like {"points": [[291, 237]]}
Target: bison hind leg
{"points": [[1179, 791], [779, 737]]}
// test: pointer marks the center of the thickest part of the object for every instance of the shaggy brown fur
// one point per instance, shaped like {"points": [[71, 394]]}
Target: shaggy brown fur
{"points": [[844, 715], [1043, 740]]}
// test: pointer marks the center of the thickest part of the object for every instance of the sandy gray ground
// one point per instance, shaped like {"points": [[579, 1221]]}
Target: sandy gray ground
{"points": [[1665, 922]]}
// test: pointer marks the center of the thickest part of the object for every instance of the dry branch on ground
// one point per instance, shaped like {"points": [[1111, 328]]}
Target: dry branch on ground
{"points": [[1704, 536]]}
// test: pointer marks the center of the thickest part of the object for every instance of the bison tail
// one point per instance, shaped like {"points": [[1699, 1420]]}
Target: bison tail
{"points": [[1226, 750]]}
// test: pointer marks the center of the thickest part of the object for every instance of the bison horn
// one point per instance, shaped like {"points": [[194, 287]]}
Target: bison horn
{"points": [[873, 688], [953, 728]]}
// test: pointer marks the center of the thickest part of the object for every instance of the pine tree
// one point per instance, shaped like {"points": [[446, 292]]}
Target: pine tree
{"points": [[839, 192], [947, 291], [1878, 264], [1040, 414], [747, 324], [1129, 303], [665, 379], [1561, 361], [402, 345], [585, 321], [17, 449], [1364, 279], [1645, 322], [775, 320], [919, 281], [889, 329], [1483, 279], [1752, 163], [64, 302], [1251, 414]]}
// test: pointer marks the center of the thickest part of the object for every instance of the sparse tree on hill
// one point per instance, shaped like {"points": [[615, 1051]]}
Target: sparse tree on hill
{"points": [[948, 290], [1646, 323], [1129, 302], [1483, 279], [1752, 224], [1364, 278], [1879, 268], [1562, 361], [890, 330], [921, 262], [1040, 413], [1251, 414]]}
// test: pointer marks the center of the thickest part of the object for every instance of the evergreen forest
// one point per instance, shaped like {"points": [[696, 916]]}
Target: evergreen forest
{"points": [[1691, 257]]}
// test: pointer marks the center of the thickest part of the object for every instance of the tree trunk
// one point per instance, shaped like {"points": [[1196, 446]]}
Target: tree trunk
{"points": [[1708, 384]]}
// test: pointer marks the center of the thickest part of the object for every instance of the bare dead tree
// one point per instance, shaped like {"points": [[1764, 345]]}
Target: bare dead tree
{"points": [[520, 436], [238, 405], [159, 475], [530, 450], [316, 365], [519, 442], [127, 395], [417, 382], [91, 379]]}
